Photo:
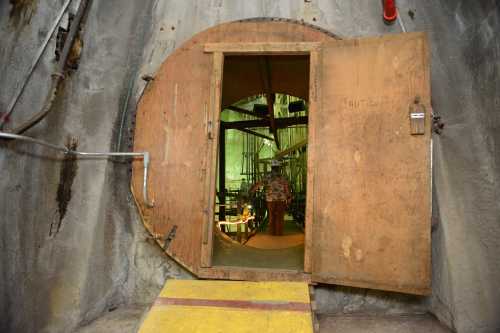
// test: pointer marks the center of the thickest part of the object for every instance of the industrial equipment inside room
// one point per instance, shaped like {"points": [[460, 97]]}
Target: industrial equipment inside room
{"points": [[262, 163], [235, 166]]}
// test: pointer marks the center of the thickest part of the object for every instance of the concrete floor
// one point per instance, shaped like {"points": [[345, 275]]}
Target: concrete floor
{"points": [[381, 324], [121, 320], [128, 319], [292, 236], [228, 253]]}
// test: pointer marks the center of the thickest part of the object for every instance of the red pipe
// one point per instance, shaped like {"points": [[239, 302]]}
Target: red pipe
{"points": [[390, 11]]}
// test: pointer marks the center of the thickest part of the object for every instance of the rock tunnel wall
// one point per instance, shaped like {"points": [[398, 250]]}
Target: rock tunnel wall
{"points": [[99, 257]]}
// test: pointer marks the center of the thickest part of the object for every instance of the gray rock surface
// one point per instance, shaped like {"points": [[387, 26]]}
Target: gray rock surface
{"points": [[338, 300], [101, 257], [380, 324]]}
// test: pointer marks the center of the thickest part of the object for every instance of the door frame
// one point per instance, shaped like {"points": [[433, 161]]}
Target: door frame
{"points": [[218, 51]]}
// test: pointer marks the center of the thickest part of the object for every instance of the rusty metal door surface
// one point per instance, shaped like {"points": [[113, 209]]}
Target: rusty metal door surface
{"points": [[372, 178], [175, 124]]}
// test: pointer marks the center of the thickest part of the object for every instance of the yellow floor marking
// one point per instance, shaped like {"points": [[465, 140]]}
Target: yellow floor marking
{"points": [[180, 319], [237, 290], [230, 317]]}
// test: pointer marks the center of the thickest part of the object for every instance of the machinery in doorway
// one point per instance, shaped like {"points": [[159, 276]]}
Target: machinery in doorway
{"points": [[247, 153]]}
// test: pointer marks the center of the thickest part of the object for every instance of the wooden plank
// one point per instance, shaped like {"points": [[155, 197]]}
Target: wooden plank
{"points": [[230, 306], [311, 158], [214, 116], [262, 48], [372, 185], [252, 274]]}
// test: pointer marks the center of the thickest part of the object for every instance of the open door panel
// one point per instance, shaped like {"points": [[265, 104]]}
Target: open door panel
{"points": [[372, 186]]}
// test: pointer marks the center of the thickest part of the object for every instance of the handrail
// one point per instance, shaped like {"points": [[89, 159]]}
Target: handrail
{"points": [[65, 150]]}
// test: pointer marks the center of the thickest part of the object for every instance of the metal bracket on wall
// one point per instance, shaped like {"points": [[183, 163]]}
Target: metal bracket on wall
{"points": [[170, 237], [437, 124], [417, 117], [65, 150]]}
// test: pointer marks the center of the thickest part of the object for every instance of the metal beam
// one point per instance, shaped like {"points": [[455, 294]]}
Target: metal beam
{"points": [[222, 174], [280, 123], [256, 134], [293, 148], [244, 111], [265, 69]]}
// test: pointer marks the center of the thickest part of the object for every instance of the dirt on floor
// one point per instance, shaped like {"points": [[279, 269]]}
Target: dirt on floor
{"points": [[128, 319]]}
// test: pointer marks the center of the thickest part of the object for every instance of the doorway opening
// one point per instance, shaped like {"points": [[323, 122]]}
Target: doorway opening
{"points": [[262, 163]]}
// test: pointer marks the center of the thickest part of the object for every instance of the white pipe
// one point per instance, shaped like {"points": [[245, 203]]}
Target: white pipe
{"points": [[65, 150], [400, 21]]}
